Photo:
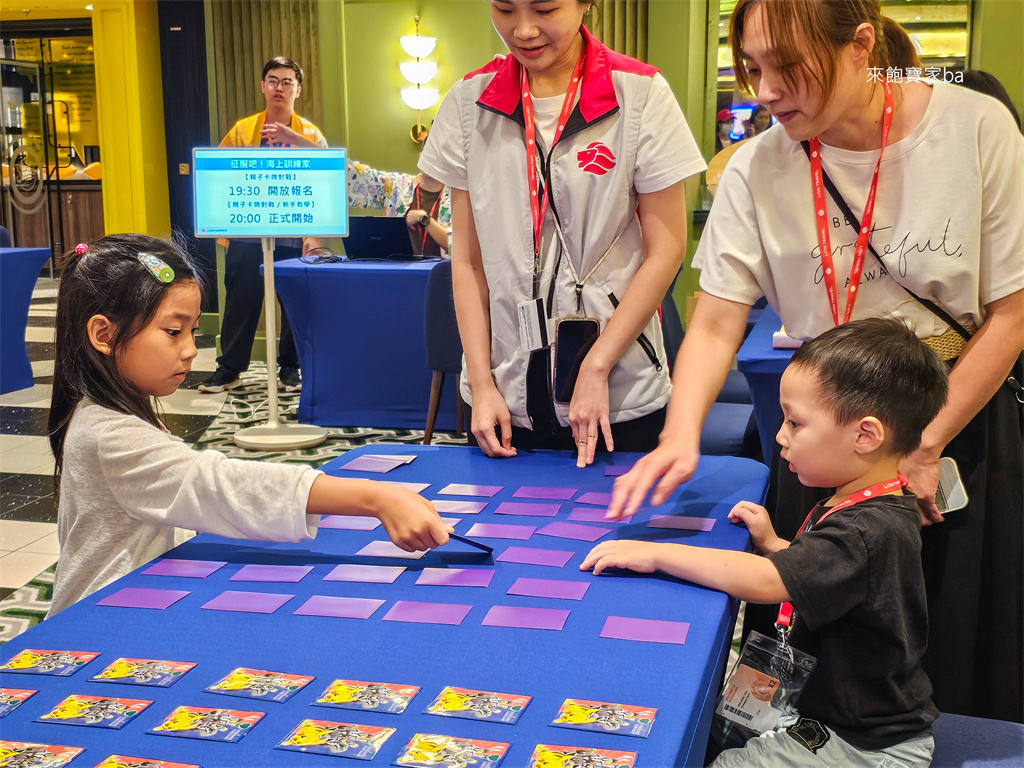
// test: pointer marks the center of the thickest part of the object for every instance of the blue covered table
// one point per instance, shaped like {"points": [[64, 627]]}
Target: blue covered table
{"points": [[19, 270], [763, 366], [359, 333], [680, 680]]}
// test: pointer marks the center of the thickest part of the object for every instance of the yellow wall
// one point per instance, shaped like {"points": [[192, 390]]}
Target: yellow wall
{"points": [[997, 44]]}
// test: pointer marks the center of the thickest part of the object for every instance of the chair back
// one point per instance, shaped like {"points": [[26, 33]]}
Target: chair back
{"points": [[5, 238], [444, 347], [671, 327]]}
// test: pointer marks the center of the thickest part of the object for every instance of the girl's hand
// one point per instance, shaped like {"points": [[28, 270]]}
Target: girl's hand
{"points": [[668, 465], [762, 533], [490, 411], [411, 521], [588, 412], [624, 553], [921, 469]]}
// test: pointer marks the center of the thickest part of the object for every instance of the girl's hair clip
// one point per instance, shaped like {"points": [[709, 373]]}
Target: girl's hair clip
{"points": [[81, 248], [157, 267]]}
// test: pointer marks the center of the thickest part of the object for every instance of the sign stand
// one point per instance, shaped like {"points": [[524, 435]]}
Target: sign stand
{"points": [[275, 435]]}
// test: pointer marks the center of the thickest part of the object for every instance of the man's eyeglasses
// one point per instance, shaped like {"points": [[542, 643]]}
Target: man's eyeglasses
{"points": [[273, 82]]}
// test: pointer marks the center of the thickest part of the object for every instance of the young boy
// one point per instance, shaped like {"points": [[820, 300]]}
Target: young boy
{"points": [[855, 401]]}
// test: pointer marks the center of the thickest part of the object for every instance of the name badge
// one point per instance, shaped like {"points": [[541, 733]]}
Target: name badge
{"points": [[533, 324]]}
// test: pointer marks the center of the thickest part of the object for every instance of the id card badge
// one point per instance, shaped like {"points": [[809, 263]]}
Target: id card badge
{"points": [[533, 324]]}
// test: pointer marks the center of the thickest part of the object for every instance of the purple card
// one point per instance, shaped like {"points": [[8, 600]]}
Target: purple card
{"points": [[498, 531], [369, 574], [527, 510], [553, 557], [248, 602], [191, 569], [372, 464], [616, 470], [339, 607], [414, 487], [646, 630], [427, 613], [600, 499], [573, 531], [456, 577], [566, 590], [589, 515], [453, 507], [133, 597], [462, 489], [388, 549], [681, 522], [289, 573], [536, 492], [526, 618], [349, 522]]}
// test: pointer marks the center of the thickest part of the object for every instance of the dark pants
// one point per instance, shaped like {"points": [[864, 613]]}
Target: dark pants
{"points": [[243, 303]]}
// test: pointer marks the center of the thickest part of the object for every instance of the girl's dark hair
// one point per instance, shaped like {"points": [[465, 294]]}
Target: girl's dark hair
{"points": [[106, 279], [878, 367]]}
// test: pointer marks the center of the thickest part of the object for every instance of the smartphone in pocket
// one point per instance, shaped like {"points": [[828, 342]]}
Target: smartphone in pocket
{"points": [[951, 494], [574, 336]]}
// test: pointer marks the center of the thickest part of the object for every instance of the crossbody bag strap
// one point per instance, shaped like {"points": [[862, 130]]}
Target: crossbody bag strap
{"points": [[855, 222]]}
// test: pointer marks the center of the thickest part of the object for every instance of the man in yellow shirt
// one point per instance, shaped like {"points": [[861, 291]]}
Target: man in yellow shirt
{"points": [[276, 126]]}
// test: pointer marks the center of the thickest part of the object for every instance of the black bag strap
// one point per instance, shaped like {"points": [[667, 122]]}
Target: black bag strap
{"points": [[855, 222]]}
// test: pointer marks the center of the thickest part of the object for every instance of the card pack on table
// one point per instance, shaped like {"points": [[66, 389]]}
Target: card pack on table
{"points": [[260, 684], [94, 711], [28, 754], [431, 750], [155, 673], [605, 717], [478, 705], [12, 698], [32, 661], [372, 697], [207, 724], [123, 761], [324, 737], [547, 755]]}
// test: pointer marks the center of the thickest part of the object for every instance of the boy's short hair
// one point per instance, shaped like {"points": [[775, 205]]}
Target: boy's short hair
{"points": [[280, 61], [878, 367]]}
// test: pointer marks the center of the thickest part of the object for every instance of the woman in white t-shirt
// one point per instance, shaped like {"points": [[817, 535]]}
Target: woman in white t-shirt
{"points": [[947, 224], [554, 155]]}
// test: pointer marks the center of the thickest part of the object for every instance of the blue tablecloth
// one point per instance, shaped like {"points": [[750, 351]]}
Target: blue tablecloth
{"points": [[763, 366], [359, 333], [681, 681], [19, 269]]}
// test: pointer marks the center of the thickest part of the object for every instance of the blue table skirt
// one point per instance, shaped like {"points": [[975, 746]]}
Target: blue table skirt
{"points": [[763, 366], [680, 680], [359, 333], [19, 270]]}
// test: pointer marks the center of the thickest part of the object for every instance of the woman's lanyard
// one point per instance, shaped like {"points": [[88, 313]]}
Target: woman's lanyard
{"points": [[821, 216], [784, 622], [430, 213], [538, 205]]}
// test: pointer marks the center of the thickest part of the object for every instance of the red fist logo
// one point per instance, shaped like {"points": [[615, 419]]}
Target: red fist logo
{"points": [[596, 158]]}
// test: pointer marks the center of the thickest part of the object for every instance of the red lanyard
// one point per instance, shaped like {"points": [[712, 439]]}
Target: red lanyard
{"points": [[821, 216], [430, 213], [539, 208], [878, 489]]}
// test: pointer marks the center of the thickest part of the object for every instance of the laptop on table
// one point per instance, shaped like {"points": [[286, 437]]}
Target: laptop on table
{"points": [[384, 238]]}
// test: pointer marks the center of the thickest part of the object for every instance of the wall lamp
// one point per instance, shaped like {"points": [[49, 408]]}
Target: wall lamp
{"points": [[419, 73]]}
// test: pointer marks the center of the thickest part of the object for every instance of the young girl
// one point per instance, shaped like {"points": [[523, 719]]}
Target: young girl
{"points": [[128, 490]]}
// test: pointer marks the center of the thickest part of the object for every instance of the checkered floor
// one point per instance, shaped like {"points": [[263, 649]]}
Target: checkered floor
{"points": [[28, 516]]}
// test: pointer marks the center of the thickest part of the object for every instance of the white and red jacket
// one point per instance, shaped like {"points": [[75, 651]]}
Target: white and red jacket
{"points": [[626, 135]]}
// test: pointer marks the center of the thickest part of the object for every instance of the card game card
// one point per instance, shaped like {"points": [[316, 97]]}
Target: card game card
{"points": [[323, 737], [373, 697], [608, 718], [149, 672], [94, 711], [36, 662], [547, 755], [429, 750], [260, 684], [25, 754], [123, 761], [12, 698], [208, 724], [478, 705]]}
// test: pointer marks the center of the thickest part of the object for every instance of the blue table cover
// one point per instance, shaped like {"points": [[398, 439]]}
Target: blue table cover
{"points": [[359, 333], [19, 270], [681, 681], [763, 366]]}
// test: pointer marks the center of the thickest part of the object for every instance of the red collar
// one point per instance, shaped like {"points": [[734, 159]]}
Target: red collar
{"points": [[597, 96]]}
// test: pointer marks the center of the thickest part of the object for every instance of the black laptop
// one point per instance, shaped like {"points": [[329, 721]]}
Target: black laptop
{"points": [[383, 238]]}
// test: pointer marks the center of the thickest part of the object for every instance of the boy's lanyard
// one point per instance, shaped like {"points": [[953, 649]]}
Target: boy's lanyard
{"points": [[538, 205], [430, 213], [821, 217], [784, 622]]}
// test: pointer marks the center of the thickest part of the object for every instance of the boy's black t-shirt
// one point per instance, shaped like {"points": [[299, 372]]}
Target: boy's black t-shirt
{"points": [[858, 589]]}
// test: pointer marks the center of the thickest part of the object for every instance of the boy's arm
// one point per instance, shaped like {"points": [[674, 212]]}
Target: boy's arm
{"points": [[743, 575], [762, 532]]}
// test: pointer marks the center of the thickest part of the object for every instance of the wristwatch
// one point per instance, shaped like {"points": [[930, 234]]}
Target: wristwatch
{"points": [[425, 220]]}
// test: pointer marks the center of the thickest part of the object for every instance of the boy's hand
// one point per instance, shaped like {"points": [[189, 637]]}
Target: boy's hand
{"points": [[411, 521], [762, 533], [633, 555]]}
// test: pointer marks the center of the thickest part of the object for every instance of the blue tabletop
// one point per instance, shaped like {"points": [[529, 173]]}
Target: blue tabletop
{"points": [[756, 355], [19, 270], [681, 681]]}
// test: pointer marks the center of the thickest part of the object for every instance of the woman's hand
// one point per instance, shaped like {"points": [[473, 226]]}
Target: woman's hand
{"points": [[668, 465], [490, 411], [921, 468], [588, 412], [413, 216]]}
